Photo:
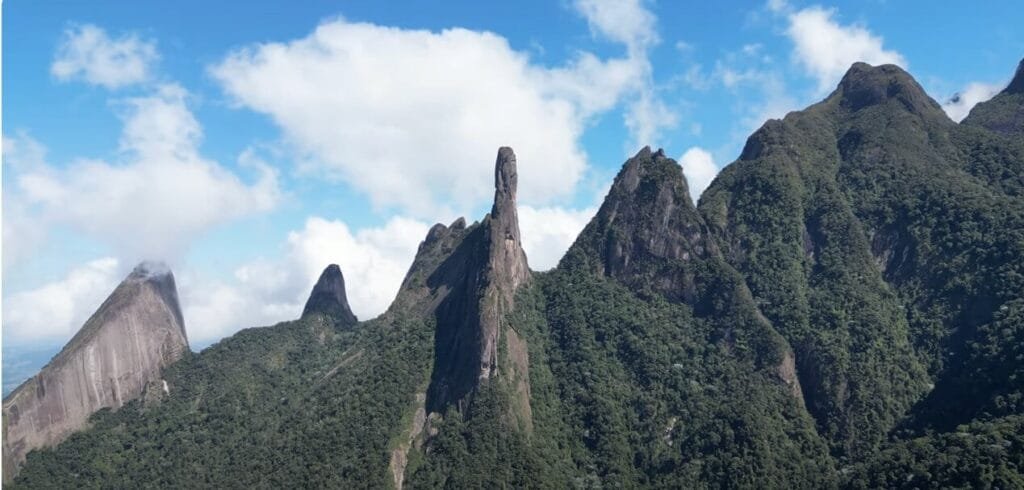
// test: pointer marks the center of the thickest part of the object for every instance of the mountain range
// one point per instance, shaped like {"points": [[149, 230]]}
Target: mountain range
{"points": [[843, 308]]}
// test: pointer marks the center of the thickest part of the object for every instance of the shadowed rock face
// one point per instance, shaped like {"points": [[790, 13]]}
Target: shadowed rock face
{"points": [[124, 345], [328, 298], [466, 277]]}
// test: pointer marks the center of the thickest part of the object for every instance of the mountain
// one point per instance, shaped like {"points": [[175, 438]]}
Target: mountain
{"points": [[116, 356], [885, 242], [844, 308], [1002, 113], [328, 298]]}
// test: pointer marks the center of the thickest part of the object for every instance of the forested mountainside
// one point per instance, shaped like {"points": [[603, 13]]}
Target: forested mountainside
{"points": [[843, 309]]}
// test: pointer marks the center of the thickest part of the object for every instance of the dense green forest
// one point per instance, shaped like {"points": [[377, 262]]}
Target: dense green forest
{"points": [[844, 308]]}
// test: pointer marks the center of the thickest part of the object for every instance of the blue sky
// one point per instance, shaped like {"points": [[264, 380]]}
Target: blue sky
{"points": [[249, 145]]}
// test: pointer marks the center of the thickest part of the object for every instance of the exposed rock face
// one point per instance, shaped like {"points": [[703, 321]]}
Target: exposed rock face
{"points": [[467, 277], [121, 349], [647, 230], [328, 298]]}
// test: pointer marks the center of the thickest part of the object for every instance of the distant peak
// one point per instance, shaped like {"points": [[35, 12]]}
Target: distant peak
{"points": [[149, 269], [329, 298], [865, 85], [1016, 85]]}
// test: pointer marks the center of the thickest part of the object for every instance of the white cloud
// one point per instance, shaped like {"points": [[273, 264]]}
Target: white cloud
{"points": [[960, 105], [374, 262], [548, 232], [22, 233], [413, 118], [630, 23], [646, 117], [700, 169], [826, 48], [57, 310], [87, 53], [158, 199]]}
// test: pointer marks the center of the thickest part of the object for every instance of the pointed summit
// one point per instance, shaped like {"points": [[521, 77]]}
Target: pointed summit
{"points": [[471, 278], [328, 298], [125, 345], [508, 260], [647, 229]]}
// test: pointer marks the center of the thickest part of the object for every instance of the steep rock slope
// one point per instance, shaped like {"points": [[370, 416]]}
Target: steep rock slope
{"points": [[121, 349], [481, 277]]}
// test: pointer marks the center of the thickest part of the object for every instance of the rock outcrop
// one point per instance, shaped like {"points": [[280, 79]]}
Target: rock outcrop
{"points": [[329, 299], [121, 349], [647, 232], [466, 277]]}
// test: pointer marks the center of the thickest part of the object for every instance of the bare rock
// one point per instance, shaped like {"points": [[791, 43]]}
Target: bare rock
{"points": [[120, 350], [328, 298]]}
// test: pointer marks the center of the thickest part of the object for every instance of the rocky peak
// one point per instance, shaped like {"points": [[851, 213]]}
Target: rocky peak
{"points": [[470, 290], [508, 261], [866, 86], [121, 349], [328, 298], [647, 230]]}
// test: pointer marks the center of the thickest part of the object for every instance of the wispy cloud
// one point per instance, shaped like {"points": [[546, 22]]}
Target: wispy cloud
{"points": [[959, 105]]}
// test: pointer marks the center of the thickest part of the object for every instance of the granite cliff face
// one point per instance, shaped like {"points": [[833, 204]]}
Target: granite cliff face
{"points": [[328, 298], [123, 347], [473, 289]]}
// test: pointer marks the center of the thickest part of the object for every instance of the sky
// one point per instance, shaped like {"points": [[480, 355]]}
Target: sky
{"points": [[250, 144]]}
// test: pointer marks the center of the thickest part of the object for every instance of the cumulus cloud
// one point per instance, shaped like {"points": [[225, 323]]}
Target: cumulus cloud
{"points": [[960, 105], [700, 169], [548, 232], [412, 118], [373, 260], [87, 53], [826, 49], [156, 200], [57, 310]]}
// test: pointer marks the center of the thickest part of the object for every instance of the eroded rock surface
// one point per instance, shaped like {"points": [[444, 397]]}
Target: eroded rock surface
{"points": [[120, 350]]}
